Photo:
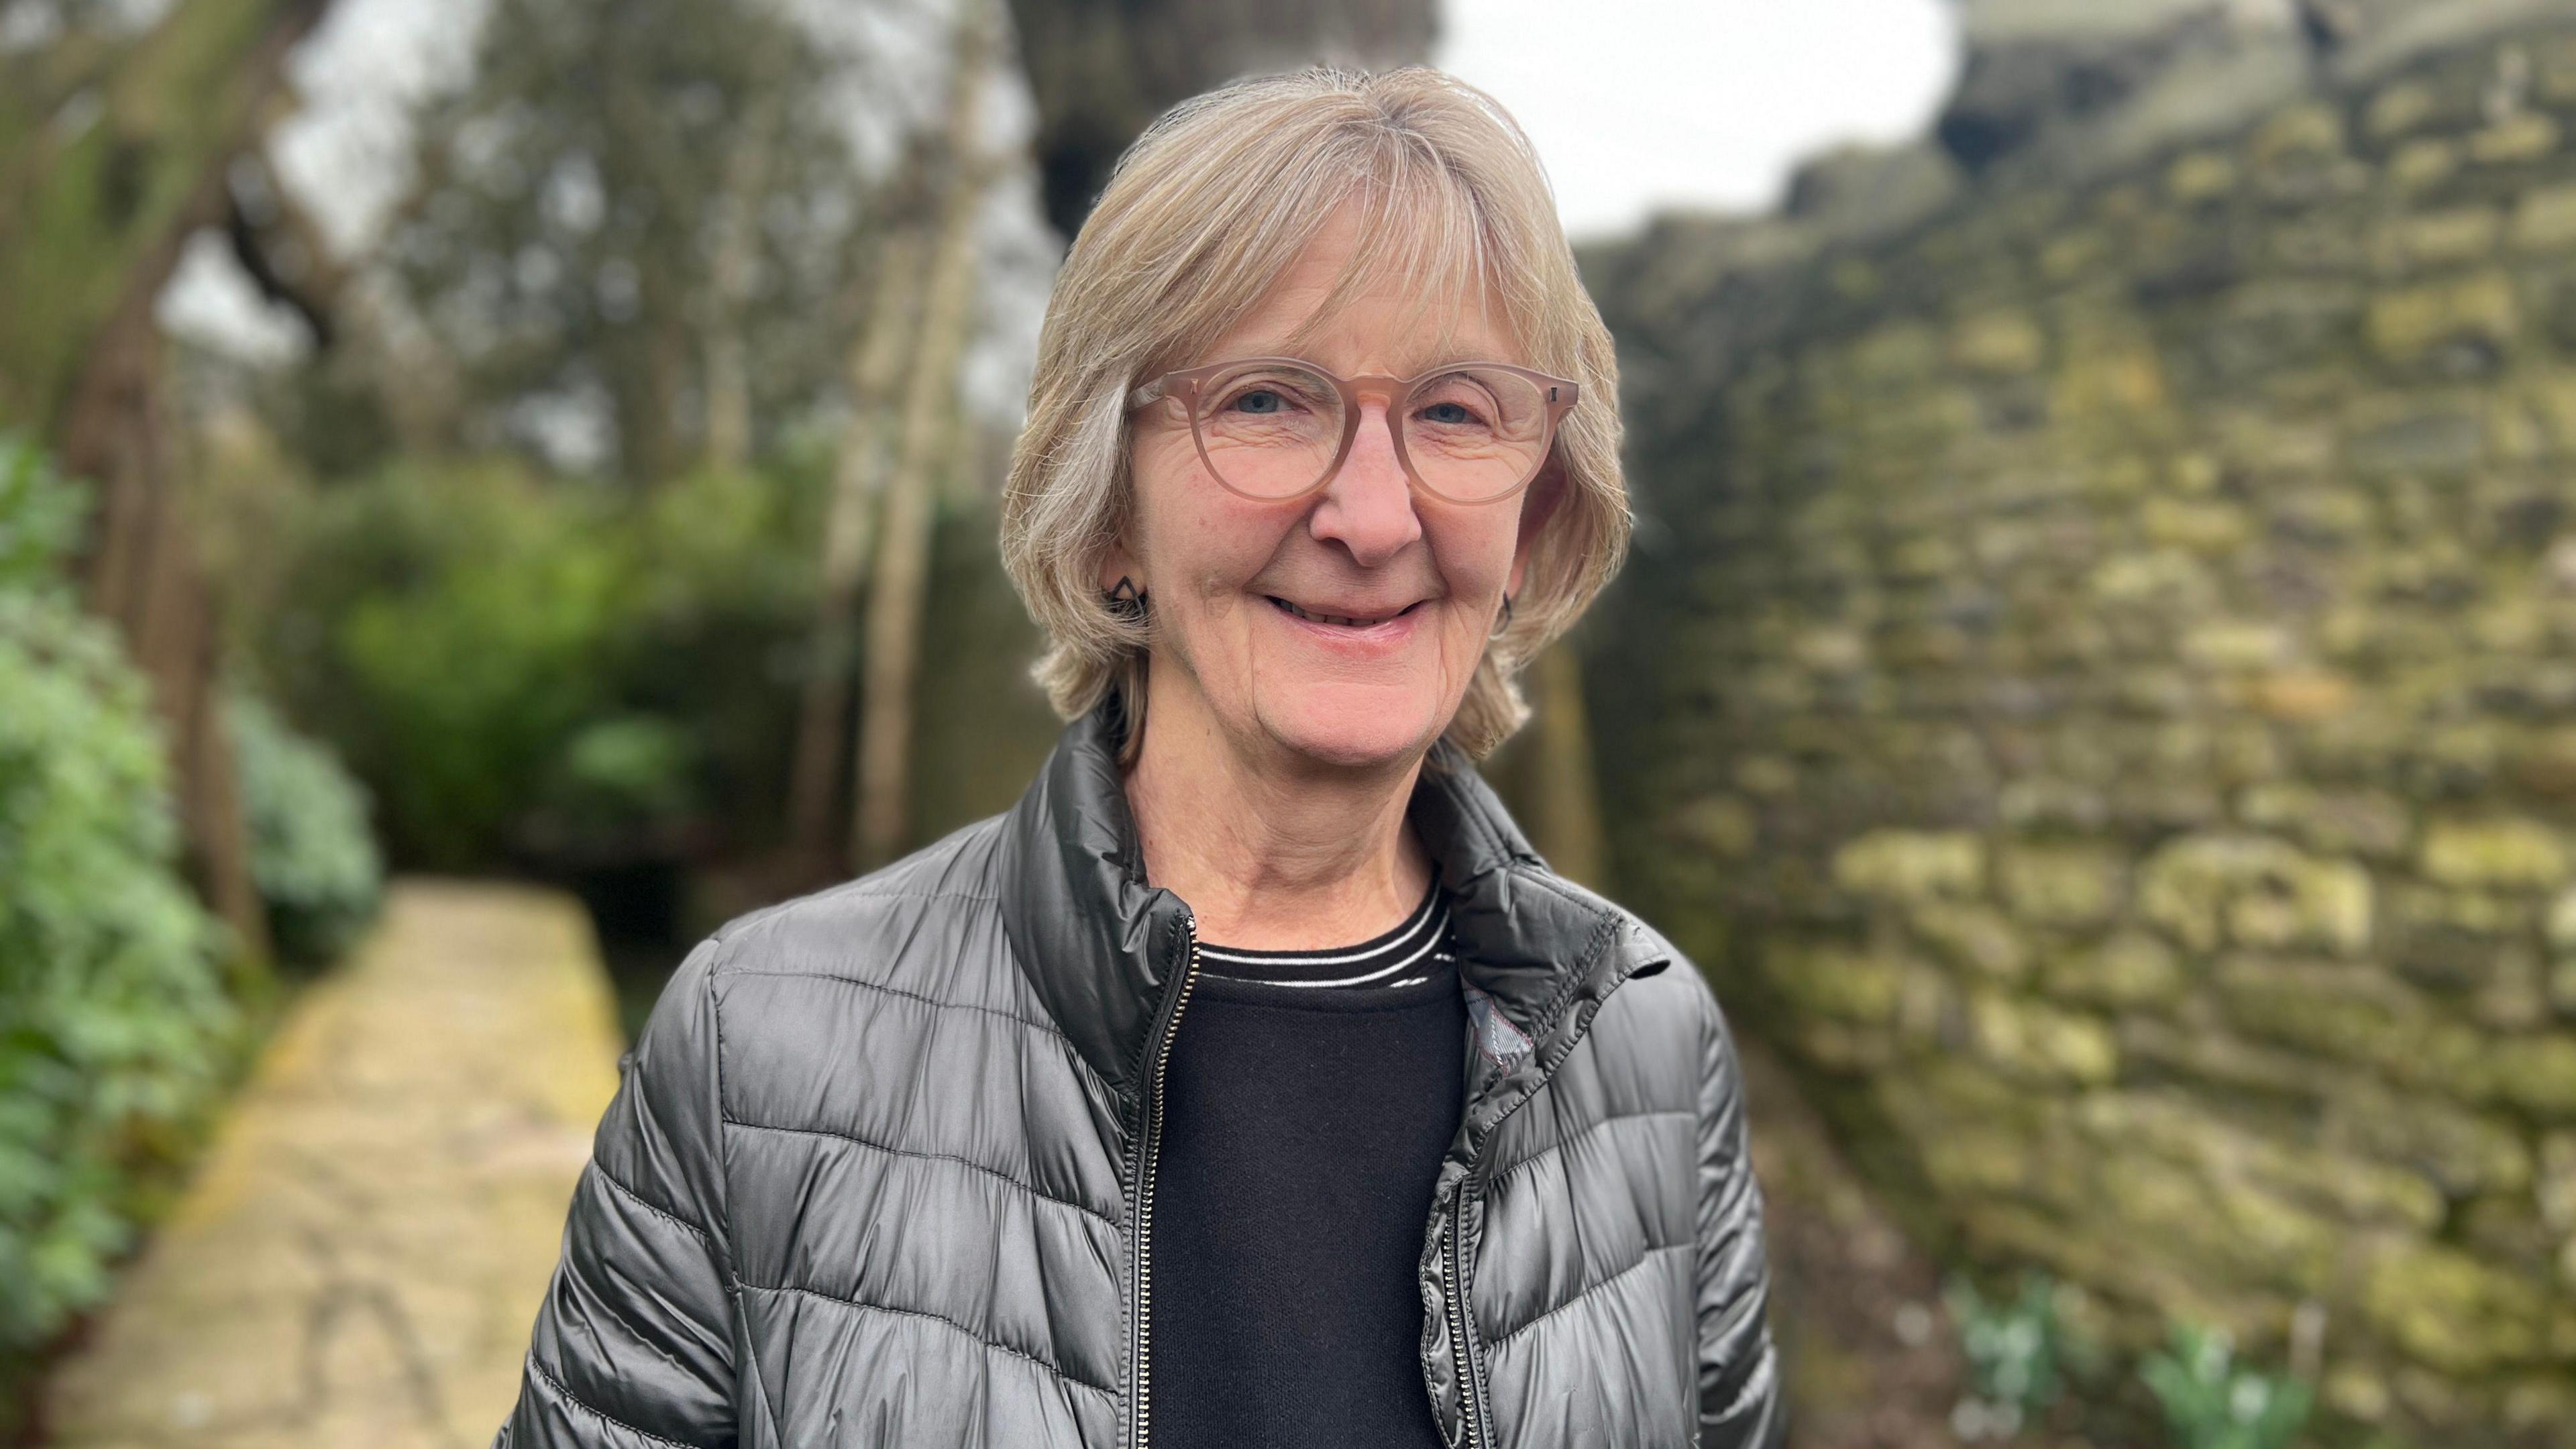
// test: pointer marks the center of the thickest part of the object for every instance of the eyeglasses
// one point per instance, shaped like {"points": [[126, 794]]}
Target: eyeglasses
{"points": [[1278, 428]]}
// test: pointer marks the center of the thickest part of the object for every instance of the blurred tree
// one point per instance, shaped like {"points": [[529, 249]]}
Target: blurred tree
{"points": [[877, 356], [115, 133], [634, 229], [1102, 69], [902, 574]]}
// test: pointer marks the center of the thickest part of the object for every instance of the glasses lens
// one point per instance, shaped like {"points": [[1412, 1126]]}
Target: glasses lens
{"points": [[1270, 430], [1476, 432]]}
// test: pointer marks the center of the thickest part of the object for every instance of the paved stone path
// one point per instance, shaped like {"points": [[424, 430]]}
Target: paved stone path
{"points": [[361, 1256]]}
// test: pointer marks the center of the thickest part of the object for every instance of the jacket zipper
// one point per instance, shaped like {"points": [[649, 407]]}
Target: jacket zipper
{"points": [[1144, 1294], [1456, 1272]]}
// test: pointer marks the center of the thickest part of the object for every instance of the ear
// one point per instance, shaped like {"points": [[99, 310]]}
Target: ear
{"points": [[1115, 564], [1539, 503]]}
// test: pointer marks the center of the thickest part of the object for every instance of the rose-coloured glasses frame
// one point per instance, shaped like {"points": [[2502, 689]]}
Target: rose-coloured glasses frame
{"points": [[1560, 395]]}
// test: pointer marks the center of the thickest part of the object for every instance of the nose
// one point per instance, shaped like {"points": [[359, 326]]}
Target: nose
{"points": [[1368, 507]]}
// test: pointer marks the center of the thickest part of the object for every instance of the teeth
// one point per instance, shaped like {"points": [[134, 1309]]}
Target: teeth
{"points": [[1344, 620]]}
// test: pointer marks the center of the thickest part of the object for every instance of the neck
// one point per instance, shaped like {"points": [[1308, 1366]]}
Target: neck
{"points": [[1273, 850]]}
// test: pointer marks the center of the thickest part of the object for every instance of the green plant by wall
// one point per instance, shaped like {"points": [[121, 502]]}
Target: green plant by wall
{"points": [[114, 1023], [531, 671], [315, 862], [2211, 1402], [2020, 1351]]}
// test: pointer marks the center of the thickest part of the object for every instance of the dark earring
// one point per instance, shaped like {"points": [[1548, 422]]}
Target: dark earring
{"points": [[1125, 601], [1503, 625]]}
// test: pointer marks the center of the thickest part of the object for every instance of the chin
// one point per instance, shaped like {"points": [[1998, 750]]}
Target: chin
{"points": [[1354, 727]]}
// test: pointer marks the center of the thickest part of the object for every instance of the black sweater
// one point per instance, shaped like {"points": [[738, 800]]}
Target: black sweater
{"points": [[1308, 1101]]}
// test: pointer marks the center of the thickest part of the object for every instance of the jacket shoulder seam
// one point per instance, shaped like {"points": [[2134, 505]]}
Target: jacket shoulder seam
{"points": [[1041, 1027], [1648, 1256], [564, 1392], [867, 1307], [1584, 1134], [888, 1148], [656, 1209]]}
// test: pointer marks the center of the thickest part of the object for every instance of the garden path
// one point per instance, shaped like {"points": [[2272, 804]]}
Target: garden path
{"points": [[360, 1257]]}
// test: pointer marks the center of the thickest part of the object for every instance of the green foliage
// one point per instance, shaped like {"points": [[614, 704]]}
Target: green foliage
{"points": [[622, 181], [40, 517], [113, 1018], [2211, 1403], [2019, 1352], [312, 856], [533, 671]]}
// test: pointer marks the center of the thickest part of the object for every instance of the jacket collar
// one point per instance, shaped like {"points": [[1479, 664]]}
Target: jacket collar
{"points": [[1103, 947]]}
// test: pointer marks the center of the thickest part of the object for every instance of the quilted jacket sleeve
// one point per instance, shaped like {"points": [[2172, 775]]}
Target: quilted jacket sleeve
{"points": [[1740, 1403], [634, 1344]]}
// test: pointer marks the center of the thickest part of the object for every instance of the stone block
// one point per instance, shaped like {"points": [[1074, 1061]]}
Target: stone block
{"points": [[2005, 342], [2206, 890], [2460, 1152], [2041, 1043], [2206, 527], [1840, 983], [2545, 219], [2336, 822], [2129, 970], [2072, 884], [2200, 176], [2409, 105], [2355, 1016], [1723, 825], [2446, 1308], [2526, 136], [1912, 865], [1973, 938], [2408, 325], [2502, 853], [2423, 164], [2554, 1190], [2442, 238], [2537, 1073]]}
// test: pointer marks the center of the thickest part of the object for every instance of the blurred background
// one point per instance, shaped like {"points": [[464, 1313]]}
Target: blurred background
{"points": [[490, 491]]}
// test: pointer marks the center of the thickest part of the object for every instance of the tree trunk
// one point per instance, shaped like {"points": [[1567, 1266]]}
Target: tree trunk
{"points": [[737, 258], [902, 572], [94, 210], [858, 472], [1564, 800]]}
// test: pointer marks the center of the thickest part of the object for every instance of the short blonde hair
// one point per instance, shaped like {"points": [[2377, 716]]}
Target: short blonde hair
{"points": [[1215, 201]]}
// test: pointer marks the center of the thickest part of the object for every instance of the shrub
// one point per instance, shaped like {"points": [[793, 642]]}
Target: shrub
{"points": [[534, 671], [113, 1019], [2018, 1354], [2211, 1403], [316, 865]]}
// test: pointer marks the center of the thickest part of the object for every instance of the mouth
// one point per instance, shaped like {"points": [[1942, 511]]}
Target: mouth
{"points": [[1345, 621]]}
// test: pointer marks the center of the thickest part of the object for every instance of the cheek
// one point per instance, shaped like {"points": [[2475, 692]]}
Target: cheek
{"points": [[1473, 550], [1198, 543]]}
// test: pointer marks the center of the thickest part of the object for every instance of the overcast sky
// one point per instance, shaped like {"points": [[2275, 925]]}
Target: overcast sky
{"points": [[1710, 103], [1634, 104]]}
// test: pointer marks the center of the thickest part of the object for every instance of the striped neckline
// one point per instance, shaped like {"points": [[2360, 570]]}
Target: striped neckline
{"points": [[1403, 956]]}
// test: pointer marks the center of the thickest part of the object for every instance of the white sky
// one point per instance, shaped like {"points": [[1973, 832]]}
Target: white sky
{"points": [[1634, 104], [1699, 103]]}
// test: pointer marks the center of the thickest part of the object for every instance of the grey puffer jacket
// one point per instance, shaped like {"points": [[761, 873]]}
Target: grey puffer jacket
{"points": [[881, 1169]]}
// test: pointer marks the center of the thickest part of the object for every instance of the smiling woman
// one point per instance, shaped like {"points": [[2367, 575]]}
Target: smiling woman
{"points": [[1252, 1081]]}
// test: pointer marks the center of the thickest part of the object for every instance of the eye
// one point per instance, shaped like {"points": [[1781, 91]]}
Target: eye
{"points": [[1259, 401], [1450, 413]]}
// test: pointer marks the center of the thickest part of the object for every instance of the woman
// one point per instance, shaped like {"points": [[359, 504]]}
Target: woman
{"points": [[1251, 1081]]}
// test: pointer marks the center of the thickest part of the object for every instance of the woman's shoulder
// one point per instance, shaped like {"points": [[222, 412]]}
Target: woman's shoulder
{"points": [[924, 928]]}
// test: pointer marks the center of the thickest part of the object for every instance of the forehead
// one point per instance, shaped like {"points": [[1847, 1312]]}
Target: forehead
{"points": [[1399, 297]]}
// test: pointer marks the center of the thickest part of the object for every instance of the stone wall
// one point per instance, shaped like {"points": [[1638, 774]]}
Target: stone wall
{"points": [[2097, 687]]}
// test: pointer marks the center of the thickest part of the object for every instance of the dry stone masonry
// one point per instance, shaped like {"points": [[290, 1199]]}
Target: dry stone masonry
{"points": [[2097, 684]]}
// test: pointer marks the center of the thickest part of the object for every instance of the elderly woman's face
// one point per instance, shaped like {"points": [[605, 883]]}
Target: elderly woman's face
{"points": [[1344, 625]]}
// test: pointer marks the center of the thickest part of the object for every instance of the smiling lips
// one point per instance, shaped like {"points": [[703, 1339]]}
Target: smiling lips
{"points": [[1346, 621]]}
